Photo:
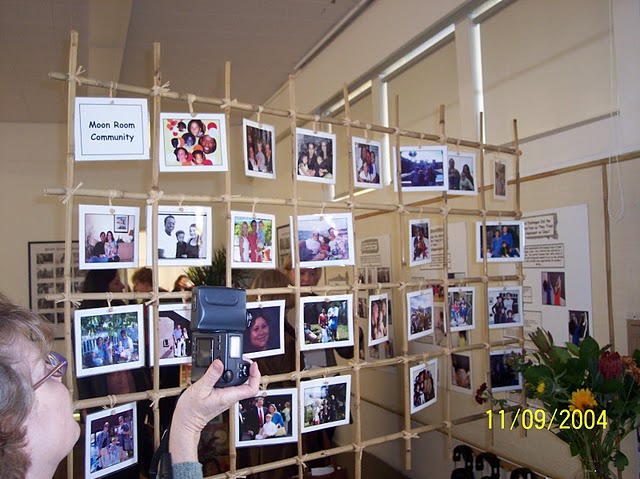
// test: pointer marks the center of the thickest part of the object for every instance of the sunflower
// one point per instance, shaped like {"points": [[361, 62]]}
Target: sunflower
{"points": [[540, 387], [582, 399]]}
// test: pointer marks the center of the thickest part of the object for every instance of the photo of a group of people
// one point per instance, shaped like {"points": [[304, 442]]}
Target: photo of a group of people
{"points": [[104, 243], [252, 240], [174, 341], [112, 440], [184, 235], [193, 143], [108, 339], [505, 307], [553, 288], [578, 326], [461, 308], [505, 241], [503, 377], [424, 382], [259, 149], [264, 334], [461, 372], [422, 168], [378, 318], [267, 419], [461, 171], [420, 307], [316, 155], [419, 243], [327, 322], [325, 240], [366, 163], [325, 403]]}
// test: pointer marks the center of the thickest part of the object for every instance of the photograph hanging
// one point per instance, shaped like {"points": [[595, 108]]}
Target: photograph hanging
{"points": [[462, 173], [505, 307], [101, 247], [316, 154], [505, 241], [461, 372], [111, 440], [420, 309], [419, 243], [193, 144], [424, 382], [499, 180], [109, 339], [367, 162], [327, 322], [269, 418], [184, 235], [284, 244], [578, 326], [259, 149], [174, 342], [378, 319], [503, 377], [553, 288], [325, 403], [252, 240], [264, 335], [325, 240], [422, 168], [462, 308]]}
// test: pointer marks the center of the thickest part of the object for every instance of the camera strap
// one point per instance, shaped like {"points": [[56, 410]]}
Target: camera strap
{"points": [[161, 466]]}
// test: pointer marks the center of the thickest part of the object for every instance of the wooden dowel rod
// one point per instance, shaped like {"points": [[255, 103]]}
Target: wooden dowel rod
{"points": [[607, 252]]}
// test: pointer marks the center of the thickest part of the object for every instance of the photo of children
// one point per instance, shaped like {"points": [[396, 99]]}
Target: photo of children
{"points": [[325, 240], [327, 322], [578, 326], [174, 341], [553, 288], [264, 334], [316, 155], [505, 307], [107, 341], [259, 149], [420, 319], [325, 403], [461, 372], [269, 418], [252, 240], [505, 241], [424, 382], [419, 244], [366, 163], [422, 168], [193, 144], [461, 170], [503, 377], [461, 308], [378, 319]]}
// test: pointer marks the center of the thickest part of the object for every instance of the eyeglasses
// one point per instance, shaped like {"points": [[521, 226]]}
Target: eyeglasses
{"points": [[59, 363]]}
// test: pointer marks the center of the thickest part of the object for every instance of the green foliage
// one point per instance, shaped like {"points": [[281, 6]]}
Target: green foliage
{"points": [[110, 323]]}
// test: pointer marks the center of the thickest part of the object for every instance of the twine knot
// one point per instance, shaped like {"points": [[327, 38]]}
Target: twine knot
{"points": [[226, 103], [154, 196], [75, 76], [158, 90], [69, 193], [66, 297]]}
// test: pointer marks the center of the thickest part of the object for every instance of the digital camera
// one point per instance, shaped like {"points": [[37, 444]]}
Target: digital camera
{"points": [[220, 321]]}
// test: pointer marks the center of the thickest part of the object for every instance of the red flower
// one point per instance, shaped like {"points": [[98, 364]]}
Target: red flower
{"points": [[610, 365], [479, 394]]}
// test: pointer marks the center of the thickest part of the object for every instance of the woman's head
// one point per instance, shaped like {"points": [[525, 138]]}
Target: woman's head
{"points": [[259, 333], [272, 408], [193, 231], [110, 236], [375, 311], [244, 229], [102, 281], [466, 170]]}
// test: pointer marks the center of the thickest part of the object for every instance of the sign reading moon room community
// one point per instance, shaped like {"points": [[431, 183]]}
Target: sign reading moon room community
{"points": [[112, 129]]}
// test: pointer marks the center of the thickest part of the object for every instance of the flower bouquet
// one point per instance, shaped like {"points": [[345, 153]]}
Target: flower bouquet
{"points": [[590, 395]]}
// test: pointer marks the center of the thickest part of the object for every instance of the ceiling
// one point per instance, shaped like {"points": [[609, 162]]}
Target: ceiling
{"points": [[263, 40]]}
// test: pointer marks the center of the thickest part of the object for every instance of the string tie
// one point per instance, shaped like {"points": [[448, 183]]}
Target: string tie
{"points": [[159, 90], [402, 286], [260, 110], [228, 198], [354, 365], [300, 462], [155, 297], [442, 139], [154, 398], [75, 76], [69, 193], [190, 99], [409, 435], [154, 196], [109, 299], [401, 209], [226, 103], [293, 114], [346, 122], [66, 297]]}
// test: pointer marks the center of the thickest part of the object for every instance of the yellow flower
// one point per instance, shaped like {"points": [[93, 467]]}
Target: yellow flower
{"points": [[582, 399], [540, 387]]}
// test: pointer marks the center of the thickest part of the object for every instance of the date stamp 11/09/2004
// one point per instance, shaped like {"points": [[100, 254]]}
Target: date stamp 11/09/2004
{"points": [[538, 419]]}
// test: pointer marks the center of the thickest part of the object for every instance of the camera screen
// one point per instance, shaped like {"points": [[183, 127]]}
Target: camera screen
{"points": [[235, 345], [204, 348]]}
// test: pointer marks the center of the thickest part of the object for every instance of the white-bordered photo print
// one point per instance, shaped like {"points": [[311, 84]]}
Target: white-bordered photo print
{"points": [[327, 321], [422, 168], [462, 308], [267, 419], [461, 169], [420, 310], [252, 240], [184, 235], [419, 243], [109, 340], [503, 377], [100, 246], [505, 307], [499, 180], [461, 378], [259, 149], [316, 154], [174, 341], [325, 240], [505, 241], [264, 335], [366, 162], [111, 440], [193, 144], [424, 385], [325, 403], [378, 318]]}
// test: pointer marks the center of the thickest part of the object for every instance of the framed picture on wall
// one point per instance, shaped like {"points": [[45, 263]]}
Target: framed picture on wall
{"points": [[419, 243], [325, 403], [284, 244], [264, 334], [461, 169], [420, 310], [499, 180], [327, 322], [325, 240], [251, 239], [366, 163], [259, 149], [174, 342], [101, 247], [422, 168], [503, 377], [262, 420], [424, 385], [505, 241], [461, 314], [316, 153], [461, 377], [505, 307]]}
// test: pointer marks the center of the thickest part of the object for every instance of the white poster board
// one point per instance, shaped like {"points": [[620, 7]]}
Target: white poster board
{"points": [[109, 129]]}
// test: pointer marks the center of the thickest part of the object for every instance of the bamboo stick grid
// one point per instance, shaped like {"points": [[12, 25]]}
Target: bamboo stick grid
{"points": [[70, 191]]}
